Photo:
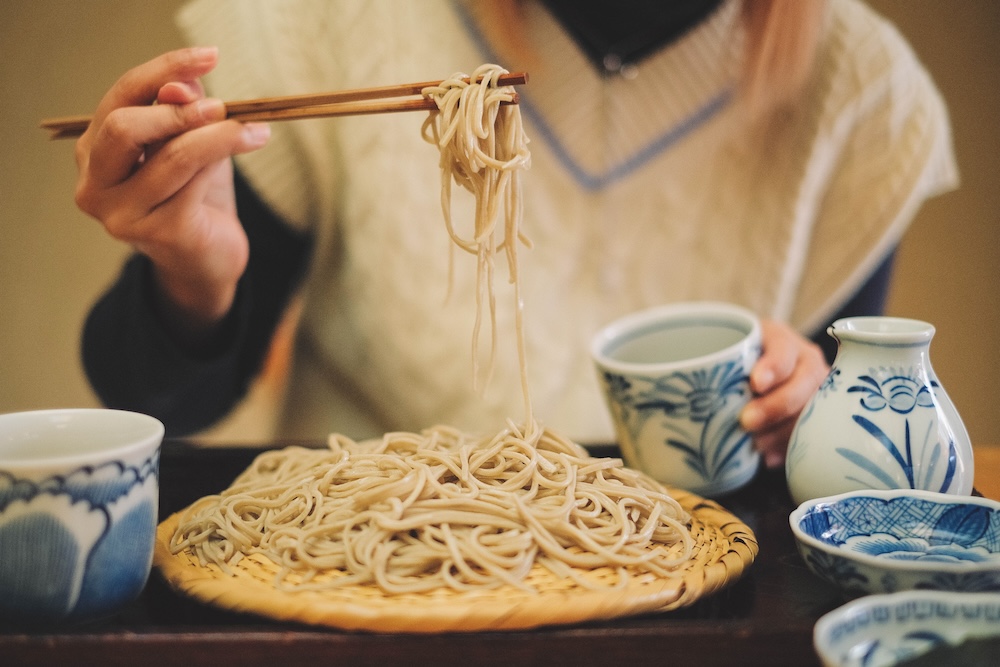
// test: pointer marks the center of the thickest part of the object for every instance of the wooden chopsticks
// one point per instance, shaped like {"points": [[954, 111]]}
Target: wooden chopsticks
{"points": [[384, 99]]}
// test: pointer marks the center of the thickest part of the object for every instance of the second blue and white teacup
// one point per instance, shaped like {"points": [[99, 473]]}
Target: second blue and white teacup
{"points": [[79, 491], [675, 378]]}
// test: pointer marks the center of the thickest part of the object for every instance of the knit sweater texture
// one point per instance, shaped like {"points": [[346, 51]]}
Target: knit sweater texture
{"points": [[643, 190]]}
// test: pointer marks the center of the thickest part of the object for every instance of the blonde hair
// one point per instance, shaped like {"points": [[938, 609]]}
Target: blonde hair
{"points": [[782, 39], [781, 44]]}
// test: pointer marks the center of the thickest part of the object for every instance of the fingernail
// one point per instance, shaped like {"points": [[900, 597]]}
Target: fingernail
{"points": [[751, 418], [256, 134], [761, 379], [204, 53], [211, 109]]}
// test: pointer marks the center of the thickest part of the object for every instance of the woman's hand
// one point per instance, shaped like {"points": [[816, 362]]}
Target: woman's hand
{"points": [[159, 177], [788, 373]]}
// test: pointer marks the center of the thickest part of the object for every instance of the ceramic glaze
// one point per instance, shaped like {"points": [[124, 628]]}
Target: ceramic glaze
{"points": [[881, 419], [887, 541], [887, 630], [78, 509], [675, 379]]}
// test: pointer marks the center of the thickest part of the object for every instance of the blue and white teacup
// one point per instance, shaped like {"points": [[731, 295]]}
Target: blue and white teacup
{"points": [[79, 494], [675, 378]]}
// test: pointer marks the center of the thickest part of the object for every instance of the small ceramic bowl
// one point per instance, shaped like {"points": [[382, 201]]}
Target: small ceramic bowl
{"points": [[891, 629], [887, 541], [78, 510]]}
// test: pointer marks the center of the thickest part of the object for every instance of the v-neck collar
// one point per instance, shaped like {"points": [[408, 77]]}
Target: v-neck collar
{"points": [[620, 33], [602, 129]]}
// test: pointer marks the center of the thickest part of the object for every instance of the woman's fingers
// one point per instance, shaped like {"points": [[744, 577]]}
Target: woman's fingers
{"points": [[169, 170], [786, 376], [180, 92], [121, 142], [175, 92], [181, 158], [136, 155], [779, 356], [126, 122], [141, 84], [774, 443], [786, 397]]}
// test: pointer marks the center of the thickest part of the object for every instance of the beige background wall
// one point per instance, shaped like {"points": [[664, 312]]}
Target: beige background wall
{"points": [[58, 57]]}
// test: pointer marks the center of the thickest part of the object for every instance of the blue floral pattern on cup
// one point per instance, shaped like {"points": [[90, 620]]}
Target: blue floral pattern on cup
{"points": [[710, 400], [92, 521], [890, 541]]}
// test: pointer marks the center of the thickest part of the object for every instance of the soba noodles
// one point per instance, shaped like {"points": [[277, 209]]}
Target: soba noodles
{"points": [[416, 512], [413, 512], [483, 149]]}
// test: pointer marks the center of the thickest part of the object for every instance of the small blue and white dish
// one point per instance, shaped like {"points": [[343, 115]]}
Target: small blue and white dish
{"points": [[886, 541], [79, 491], [896, 628]]}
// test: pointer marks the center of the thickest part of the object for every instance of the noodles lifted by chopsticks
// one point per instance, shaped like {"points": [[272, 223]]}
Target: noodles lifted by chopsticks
{"points": [[417, 512], [483, 149]]}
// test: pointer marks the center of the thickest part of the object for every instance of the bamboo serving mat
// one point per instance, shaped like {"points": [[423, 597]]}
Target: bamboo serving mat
{"points": [[724, 549]]}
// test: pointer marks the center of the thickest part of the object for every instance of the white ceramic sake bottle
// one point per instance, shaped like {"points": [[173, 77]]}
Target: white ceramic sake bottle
{"points": [[881, 419]]}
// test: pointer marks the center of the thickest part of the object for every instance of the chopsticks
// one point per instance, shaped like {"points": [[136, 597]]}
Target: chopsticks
{"points": [[384, 99]]}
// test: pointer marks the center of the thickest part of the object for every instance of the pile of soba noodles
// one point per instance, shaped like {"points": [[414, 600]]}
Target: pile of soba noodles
{"points": [[417, 512], [441, 509]]}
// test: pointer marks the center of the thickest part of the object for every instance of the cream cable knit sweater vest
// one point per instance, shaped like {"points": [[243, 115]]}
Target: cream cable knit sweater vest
{"points": [[642, 191]]}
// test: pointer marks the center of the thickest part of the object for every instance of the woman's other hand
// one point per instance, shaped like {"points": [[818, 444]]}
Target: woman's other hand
{"points": [[788, 373]]}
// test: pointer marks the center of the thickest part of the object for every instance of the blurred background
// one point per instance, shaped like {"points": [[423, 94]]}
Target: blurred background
{"points": [[59, 57]]}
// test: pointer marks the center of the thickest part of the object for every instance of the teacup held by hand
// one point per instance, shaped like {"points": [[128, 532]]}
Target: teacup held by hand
{"points": [[675, 379]]}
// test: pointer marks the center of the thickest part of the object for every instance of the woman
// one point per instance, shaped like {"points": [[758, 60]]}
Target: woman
{"points": [[768, 153]]}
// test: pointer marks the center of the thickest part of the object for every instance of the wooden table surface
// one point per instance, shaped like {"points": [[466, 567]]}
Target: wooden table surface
{"points": [[765, 618]]}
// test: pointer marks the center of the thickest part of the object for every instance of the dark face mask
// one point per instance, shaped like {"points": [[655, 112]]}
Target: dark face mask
{"points": [[616, 33]]}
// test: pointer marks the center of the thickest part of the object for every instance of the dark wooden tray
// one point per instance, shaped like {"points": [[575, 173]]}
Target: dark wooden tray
{"points": [[766, 618]]}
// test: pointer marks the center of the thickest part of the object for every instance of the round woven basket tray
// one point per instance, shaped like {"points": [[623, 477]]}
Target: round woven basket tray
{"points": [[724, 548]]}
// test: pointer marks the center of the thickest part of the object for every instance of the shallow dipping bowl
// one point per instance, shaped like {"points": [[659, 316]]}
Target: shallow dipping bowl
{"points": [[887, 541], [78, 510], [896, 628]]}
